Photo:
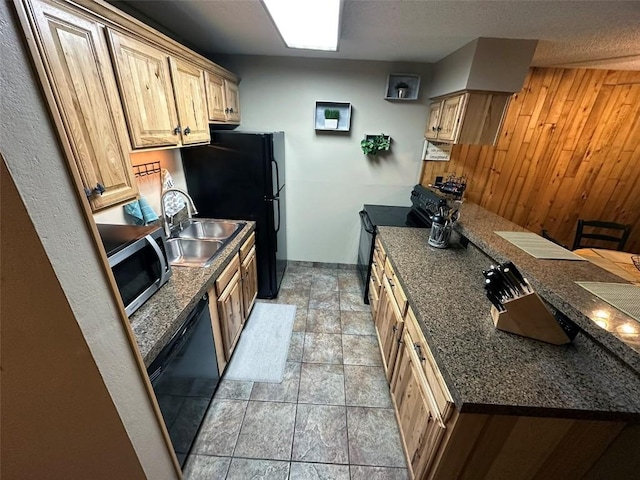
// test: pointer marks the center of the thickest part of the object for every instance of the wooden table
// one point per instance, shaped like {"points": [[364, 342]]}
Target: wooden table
{"points": [[618, 263]]}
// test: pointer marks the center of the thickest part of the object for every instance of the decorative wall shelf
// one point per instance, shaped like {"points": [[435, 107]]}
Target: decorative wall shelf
{"points": [[410, 92], [344, 122]]}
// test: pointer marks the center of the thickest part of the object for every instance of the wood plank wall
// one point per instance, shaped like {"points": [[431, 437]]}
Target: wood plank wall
{"points": [[569, 148]]}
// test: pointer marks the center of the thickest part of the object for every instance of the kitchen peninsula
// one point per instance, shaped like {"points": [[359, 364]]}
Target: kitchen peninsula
{"points": [[520, 404]]}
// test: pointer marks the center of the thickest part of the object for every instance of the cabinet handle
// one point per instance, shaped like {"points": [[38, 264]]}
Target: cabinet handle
{"points": [[231, 110], [187, 131], [416, 347], [88, 192], [433, 128], [439, 128], [177, 130], [391, 284], [99, 189], [226, 110]]}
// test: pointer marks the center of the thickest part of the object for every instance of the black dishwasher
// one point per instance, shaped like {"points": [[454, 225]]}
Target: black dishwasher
{"points": [[185, 376]]}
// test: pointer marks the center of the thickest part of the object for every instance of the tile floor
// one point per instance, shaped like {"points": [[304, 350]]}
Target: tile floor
{"points": [[330, 418]]}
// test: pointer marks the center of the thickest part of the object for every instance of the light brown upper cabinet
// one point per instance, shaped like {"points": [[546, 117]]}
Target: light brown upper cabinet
{"points": [[223, 99], [152, 85], [215, 97], [471, 118], [78, 72], [188, 86], [232, 97]]}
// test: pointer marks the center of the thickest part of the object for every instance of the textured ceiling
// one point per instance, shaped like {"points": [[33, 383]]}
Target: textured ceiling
{"points": [[599, 34]]}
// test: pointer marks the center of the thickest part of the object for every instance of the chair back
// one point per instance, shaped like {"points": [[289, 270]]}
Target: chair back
{"points": [[545, 234], [585, 239]]}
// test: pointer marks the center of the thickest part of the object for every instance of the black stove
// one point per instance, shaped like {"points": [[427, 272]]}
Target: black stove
{"points": [[424, 203]]}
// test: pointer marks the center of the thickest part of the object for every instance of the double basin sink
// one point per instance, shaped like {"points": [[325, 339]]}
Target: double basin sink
{"points": [[197, 241]]}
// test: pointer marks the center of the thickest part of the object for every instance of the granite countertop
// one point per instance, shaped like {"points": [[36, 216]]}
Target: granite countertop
{"points": [[555, 281], [490, 371], [159, 318]]}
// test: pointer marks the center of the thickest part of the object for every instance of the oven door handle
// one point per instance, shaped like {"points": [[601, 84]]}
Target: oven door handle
{"points": [[366, 222], [163, 263]]}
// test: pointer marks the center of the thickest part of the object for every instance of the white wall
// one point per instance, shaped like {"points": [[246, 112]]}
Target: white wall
{"points": [[328, 178], [492, 64], [30, 148], [452, 72], [501, 64]]}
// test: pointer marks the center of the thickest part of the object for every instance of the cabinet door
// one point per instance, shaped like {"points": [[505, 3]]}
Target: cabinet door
{"points": [[232, 98], [249, 281], [146, 90], [433, 121], [420, 425], [215, 97], [437, 386], [188, 87], [83, 83], [389, 325], [450, 118], [231, 314]]}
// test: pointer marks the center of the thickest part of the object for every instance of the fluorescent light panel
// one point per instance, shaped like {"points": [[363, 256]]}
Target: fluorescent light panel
{"points": [[307, 24]]}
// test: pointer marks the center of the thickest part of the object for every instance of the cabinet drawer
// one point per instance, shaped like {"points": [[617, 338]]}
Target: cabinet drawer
{"points": [[435, 382], [398, 293], [376, 274], [246, 246], [379, 251], [374, 296], [227, 274]]}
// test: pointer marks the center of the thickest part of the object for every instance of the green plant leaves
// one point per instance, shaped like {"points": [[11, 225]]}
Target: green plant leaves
{"points": [[373, 144]]}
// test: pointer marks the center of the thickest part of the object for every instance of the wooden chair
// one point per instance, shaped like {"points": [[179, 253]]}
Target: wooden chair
{"points": [[545, 234], [617, 240]]}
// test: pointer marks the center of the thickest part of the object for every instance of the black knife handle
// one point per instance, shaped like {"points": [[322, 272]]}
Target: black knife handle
{"points": [[516, 273], [495, 301], [493, 288], [513, 280]]}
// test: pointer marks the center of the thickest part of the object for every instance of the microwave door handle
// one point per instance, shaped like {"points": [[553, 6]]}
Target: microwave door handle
{"points": [[163, 264]]}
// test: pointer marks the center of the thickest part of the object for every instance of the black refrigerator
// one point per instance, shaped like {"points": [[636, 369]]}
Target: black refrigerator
{"points": [[241, 176]]}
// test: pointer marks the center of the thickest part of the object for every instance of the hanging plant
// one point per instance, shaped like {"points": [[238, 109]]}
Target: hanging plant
{"points": [[372, 144]]}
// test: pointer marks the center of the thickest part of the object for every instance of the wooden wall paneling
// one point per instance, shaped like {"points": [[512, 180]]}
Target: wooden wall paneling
{"points": [[569, 149], [611, 141]]}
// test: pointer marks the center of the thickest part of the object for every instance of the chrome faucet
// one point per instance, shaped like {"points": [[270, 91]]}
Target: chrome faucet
{"points": [[191, 209]]}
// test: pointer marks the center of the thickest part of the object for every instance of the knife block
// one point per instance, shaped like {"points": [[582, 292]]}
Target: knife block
{"points": [[528, 316]]}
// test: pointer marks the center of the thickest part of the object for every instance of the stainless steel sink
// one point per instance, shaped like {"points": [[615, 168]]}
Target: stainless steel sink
{"points": [[205, 229], [199, 240], [189, 252]]}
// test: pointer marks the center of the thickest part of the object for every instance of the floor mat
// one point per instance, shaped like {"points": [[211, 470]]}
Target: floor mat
{"points": [[261, 352]]}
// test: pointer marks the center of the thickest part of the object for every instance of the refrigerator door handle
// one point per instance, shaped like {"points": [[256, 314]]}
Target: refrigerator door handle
{"points": [[277, 179], [277, 199]]}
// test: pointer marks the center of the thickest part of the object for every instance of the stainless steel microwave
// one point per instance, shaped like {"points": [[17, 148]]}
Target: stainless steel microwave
{"points": [[138, 258]]}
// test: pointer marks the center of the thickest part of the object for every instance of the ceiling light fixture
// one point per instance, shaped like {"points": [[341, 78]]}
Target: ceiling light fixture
{"points": [[307, 24]]}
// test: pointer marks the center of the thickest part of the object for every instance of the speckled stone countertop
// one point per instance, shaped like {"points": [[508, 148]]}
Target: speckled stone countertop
{"points": [[159, 318], [490, 371], [554, 280]]}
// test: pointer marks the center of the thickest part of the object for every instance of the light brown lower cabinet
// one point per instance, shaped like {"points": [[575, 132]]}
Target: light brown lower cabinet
{"points": [[227, 315], [420, 423], [389, 324], [249, 281], [442, 443], [231, 299]]}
